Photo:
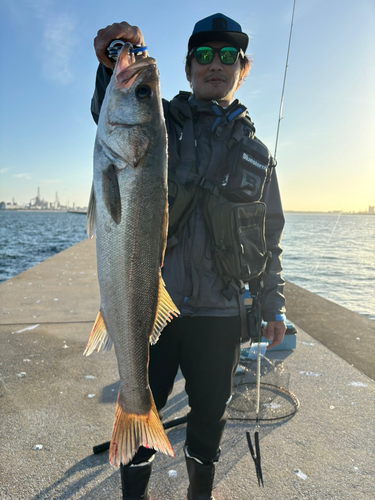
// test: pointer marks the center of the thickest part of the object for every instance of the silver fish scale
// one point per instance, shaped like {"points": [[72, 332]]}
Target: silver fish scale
{"points": [[128, 266], [129, 250]]}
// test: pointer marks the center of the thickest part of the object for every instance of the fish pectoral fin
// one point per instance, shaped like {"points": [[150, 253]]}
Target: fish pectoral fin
{"points": [[131, 430], [91, 215], [164, 313], [99, 338], [111, 193]]}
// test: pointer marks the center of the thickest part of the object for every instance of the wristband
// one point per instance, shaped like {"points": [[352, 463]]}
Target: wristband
{"points": [[280, 317]]}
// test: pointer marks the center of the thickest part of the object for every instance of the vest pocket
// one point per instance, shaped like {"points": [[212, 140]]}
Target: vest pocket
{"points": [[238, 237], [248, 165], [250, 222]]}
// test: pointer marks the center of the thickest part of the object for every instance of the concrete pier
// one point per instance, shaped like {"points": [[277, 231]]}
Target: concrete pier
{"points": [[54, 399]]}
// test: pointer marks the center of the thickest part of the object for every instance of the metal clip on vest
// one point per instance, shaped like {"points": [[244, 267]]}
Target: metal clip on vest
{"points": [[232, 289]]}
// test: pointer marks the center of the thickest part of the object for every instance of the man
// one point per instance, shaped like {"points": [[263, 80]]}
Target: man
{"points": [[204, 128]]}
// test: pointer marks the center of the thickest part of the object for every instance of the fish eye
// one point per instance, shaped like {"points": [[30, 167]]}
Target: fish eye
{"points": [[143, 92]]}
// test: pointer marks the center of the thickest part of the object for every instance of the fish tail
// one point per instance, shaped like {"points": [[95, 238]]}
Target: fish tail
{"points": [[130, 431]]}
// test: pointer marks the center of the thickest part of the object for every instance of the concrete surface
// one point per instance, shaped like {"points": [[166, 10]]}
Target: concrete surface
{"points": [[349, 335], [46, 399]]}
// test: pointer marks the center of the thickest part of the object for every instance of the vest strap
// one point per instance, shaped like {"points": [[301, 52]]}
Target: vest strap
{"points": [[225, 116]]}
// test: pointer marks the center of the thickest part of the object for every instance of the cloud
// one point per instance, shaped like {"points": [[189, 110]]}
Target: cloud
{"points": [[40, 7], [250, 25], [59, 33], [22, 176], [3, 170], [60, 39]]}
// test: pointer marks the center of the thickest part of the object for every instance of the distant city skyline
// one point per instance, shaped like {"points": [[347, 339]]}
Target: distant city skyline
{"points": [[69, 202], [369, 209], [38, 200]]}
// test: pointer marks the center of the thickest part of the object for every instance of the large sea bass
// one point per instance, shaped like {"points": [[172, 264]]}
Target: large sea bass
{"points": [[128, 212]]}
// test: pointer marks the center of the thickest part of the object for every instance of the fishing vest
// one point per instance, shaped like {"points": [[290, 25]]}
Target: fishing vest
{"points": [[230, 191]]}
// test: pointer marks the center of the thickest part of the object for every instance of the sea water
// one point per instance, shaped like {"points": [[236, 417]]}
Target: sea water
{"points": [[29, 237], [331, 255]]}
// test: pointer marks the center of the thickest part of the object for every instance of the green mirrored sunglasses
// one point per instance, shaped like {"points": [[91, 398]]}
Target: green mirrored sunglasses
{"points": [[205, 55]]}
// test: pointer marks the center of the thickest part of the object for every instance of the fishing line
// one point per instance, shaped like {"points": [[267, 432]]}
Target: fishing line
{"points": [[329, 239]]}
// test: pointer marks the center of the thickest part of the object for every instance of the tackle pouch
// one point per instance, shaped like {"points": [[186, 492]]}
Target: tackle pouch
{"points": [[249, 165], [238, 237]]}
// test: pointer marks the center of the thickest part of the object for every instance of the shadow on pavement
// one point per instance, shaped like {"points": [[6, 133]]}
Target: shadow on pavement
{"points": [[78, 477], [109, 393]]}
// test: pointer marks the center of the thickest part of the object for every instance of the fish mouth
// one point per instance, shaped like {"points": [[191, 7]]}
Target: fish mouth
{"points": [[127, 68]]}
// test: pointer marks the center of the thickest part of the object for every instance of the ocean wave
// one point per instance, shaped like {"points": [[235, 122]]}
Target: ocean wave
{"points": [[335, 261]]}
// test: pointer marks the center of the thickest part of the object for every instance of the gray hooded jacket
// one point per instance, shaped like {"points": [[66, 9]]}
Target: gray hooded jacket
{"points": [[189, 270]]}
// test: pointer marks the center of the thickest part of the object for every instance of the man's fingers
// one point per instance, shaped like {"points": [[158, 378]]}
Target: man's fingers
{"points": [[104, 59], [101, 37], [274, 343], [276, 340], [268, 333], [117, 31], [274, 332]]}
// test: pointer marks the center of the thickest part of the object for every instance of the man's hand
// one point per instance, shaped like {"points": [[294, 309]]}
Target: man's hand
{"points": [[117, 31], [274, 331]]}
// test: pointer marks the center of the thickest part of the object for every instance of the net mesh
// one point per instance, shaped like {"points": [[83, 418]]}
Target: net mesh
{"points": [[276, 401]]}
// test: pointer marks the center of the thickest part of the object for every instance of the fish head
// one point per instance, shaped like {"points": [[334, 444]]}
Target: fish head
{"points": [[132, 117]]}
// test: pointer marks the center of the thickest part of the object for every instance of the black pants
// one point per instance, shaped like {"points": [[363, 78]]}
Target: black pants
{"points": [[207, 349]]}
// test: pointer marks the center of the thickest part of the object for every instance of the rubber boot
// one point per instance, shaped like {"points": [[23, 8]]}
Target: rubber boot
{"points": [[134, 481], [201, 479]]}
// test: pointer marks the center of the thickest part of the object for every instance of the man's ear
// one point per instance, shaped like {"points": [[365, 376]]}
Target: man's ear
{"points": [[187, 73]]}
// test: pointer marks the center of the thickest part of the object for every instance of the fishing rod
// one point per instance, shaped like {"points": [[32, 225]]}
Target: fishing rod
{"points": [[283, 90], [255, 450], [278, 130]]}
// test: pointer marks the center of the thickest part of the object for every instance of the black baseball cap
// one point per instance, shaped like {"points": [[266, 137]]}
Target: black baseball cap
{"points": [[218, 28]]}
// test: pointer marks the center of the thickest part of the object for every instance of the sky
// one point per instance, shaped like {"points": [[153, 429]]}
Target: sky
{"points": [[325, 153]]}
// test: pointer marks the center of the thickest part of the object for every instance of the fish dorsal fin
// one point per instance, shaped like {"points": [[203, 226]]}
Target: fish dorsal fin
{"points": [[91, 215], [99, 338], [165, 311]]}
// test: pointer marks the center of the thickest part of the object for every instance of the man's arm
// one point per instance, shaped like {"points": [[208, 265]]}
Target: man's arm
{"points": [[103, 76], [273, 303]]}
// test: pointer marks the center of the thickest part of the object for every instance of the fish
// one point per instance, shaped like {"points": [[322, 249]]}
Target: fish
{"points": [[128, 214]]}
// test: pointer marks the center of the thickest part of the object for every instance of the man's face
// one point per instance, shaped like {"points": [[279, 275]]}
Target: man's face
{"points": [[214, 81]]}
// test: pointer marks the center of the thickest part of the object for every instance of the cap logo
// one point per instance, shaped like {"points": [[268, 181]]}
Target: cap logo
{"points": [[218, 23]]}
